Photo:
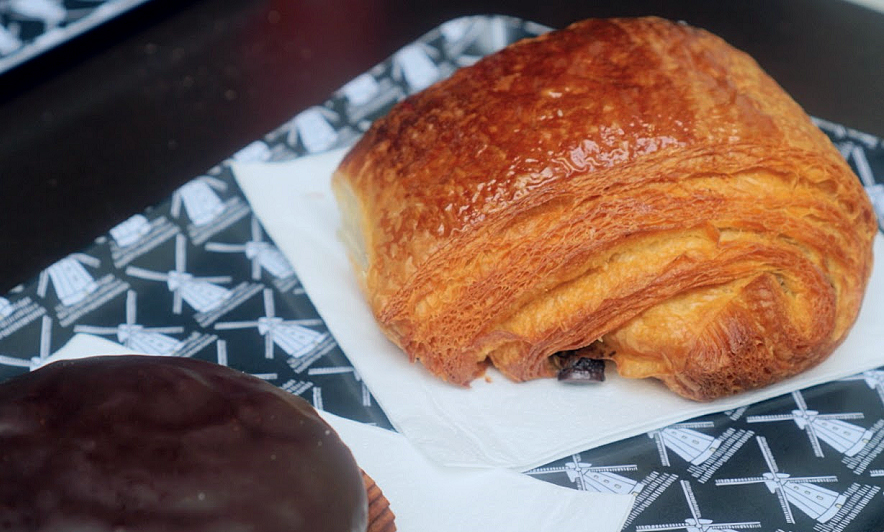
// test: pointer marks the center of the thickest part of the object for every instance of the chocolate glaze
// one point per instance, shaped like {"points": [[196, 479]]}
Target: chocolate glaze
{"points": [[167, 444]]}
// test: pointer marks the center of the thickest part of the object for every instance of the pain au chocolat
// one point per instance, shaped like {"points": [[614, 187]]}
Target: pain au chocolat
{"points": [[627, 189], [140, 443]]}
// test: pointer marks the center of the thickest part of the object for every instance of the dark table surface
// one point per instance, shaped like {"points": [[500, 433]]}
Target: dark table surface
{"points": [[106, 125]]}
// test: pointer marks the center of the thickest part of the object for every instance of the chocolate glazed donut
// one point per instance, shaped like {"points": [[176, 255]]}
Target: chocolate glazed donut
{"points": [[142, 443]]}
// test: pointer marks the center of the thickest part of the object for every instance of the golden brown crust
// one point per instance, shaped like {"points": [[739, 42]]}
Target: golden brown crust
{"points": [[633, 181], [380, 516]]}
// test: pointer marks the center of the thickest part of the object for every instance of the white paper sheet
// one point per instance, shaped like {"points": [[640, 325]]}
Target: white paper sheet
{"points": [[497, 423], [427, 497]]}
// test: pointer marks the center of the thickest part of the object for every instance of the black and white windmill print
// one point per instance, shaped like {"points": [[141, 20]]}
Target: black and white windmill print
{"points": [[263, 256], [703, 453], [17, 312], [313, 128], [343, 371], [139, 235], [207, 295], [294, 337], [318, 129], [417, 66], [37, 359], [69, 278], [77, 291], [264, 151], [201, 293], [600, 479], [201, 203], [692, 446], [366, 94], [696, 522], [137, 337], [803, 493], [255, 152], [846, 438], [487, 34], [131, 231]]}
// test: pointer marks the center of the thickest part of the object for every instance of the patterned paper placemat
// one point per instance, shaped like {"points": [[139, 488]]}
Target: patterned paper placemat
{"points": [[196, 276], [30, 27]]}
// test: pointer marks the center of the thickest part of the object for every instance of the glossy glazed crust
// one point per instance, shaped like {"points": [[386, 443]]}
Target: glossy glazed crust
{"points": [[634, 187]]}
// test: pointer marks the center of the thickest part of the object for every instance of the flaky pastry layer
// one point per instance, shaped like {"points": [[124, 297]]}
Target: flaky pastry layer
{"points": [[634, 189]]}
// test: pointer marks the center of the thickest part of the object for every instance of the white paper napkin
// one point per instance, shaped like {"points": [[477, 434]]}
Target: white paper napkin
{"points": [[427, 497], [497, 423]]}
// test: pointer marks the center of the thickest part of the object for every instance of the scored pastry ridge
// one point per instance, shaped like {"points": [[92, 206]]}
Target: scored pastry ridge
{"points": [[634, 189]]}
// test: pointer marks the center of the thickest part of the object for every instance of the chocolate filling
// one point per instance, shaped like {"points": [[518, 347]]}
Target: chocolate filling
{"points": [[575, 368]]}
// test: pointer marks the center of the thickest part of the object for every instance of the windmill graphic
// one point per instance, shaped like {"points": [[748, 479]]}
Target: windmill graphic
{"points": [[199, 200], [201, 293], [313, 126], [256, 152], [148, 340], [488, 34], [77, 291], [69, 278], [43, 354], [130, 231], [263, 254], [601, 479], [18, 313], [694, 447], [361, 90], [415, 65], [6, 308], [846, 438], [815, 501], [344, 370], [9, 41], [697, 523], [367, 94], [292, 336]]}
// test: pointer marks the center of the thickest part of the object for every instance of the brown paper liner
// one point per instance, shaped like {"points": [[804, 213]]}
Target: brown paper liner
{"points": [[380, 516]]}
